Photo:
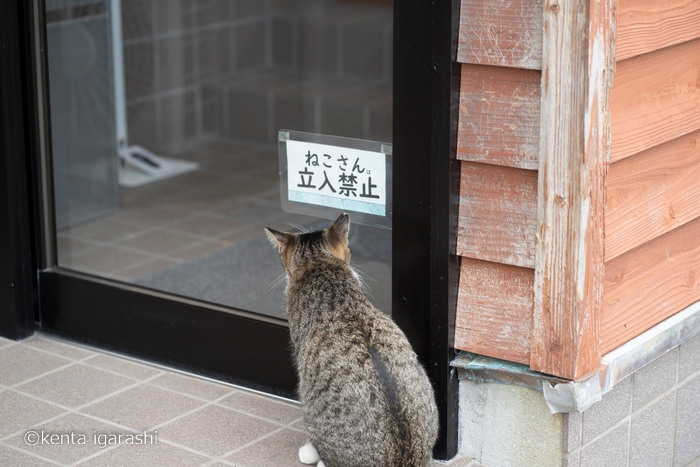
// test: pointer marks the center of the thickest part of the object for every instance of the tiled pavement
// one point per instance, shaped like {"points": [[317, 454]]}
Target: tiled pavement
{"points": [[67, 405]]}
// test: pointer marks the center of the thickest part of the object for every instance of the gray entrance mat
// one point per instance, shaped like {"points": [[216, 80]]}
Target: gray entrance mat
{"points": [[248, 276]]}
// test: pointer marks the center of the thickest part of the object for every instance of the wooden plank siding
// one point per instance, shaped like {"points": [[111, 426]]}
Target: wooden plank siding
{"points": [[497, 214], [501, 33], [517, 147], [499, 116], [579, 203], [652, 220], [655, 98], [647, 25], [499, 47], [577, 60], [494, 311], [652, 193], [650, 283]]}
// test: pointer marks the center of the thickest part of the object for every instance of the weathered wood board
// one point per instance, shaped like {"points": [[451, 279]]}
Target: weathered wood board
{"points": [[655, 98], [647, 25], [650, 283], [517, 123], [501, 33], [494, 310], [499, 116], [574, 145], [652, 193], [497, 214]]}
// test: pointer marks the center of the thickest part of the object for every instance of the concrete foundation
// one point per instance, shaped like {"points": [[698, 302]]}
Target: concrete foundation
{"points": [[504, 425], [650, 418]]}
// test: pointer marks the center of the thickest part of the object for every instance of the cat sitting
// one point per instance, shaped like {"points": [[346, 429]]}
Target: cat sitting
{"points": [[366, 399]]}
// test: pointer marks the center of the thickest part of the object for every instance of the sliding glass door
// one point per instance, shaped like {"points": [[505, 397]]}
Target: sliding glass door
{"points": [[165, 116]]}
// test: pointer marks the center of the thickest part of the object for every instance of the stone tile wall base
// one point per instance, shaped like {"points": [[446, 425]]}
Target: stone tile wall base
{"points": [[508, 426], [649, 419]]}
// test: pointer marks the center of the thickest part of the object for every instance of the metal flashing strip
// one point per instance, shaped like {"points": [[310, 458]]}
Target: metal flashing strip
{"points": [[482, 369], [665, 336], [576, 396]]}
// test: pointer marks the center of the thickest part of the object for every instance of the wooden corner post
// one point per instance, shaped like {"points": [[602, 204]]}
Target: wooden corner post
{"points": [[577, 64]]}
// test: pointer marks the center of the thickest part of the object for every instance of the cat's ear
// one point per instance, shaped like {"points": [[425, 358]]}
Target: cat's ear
{"points": [[337, 237], [341, 227], [277, 238]]}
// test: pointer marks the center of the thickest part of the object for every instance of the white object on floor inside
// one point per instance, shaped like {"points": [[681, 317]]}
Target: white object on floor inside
{"points": [[139, 167]]}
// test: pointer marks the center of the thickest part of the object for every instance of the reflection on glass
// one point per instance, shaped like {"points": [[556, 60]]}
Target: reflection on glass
{"points": [[208, 82]]}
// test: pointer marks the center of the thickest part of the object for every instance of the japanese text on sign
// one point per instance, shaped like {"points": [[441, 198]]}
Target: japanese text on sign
{"points": [[337, 177]]}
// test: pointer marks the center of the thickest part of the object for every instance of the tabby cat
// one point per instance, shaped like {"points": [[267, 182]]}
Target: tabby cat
{"points": [[367, 402]]}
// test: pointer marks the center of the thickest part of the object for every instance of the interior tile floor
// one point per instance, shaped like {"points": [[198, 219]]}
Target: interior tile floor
{"points": [[232, 196], [63, 404]]}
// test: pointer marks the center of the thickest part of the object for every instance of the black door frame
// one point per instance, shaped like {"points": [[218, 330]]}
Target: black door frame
{"points": [[183, 334], [17, 284], [426, 195]]}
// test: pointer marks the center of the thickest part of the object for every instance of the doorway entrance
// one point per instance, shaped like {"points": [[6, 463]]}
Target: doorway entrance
{"points": [[164, 121], [232, 344]]}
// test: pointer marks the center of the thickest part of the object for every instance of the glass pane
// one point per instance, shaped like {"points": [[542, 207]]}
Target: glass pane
{"points": [[165, 115]]}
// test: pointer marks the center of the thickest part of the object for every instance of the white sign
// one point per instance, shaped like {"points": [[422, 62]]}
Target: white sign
{"points": [[337, 177]]}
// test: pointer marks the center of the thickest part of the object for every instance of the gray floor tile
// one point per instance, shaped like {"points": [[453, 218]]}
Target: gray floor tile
{"points": [[459, 462], [242, 235], [156, 455], [216, 430], [20, 363], [159, 241], [68, 246], [299, 425], [122, 366], [67, 439], [278, 412], [143, 407], [131, 272], [279, 449], [56, 347], [207, 226], [191, 386], [151, 215], [75, 385], [103, 230], [261, 213], [5, 342], [13, 457], [18, 412], [193, 439], [200, 179], [196, 250], [105, 259]]}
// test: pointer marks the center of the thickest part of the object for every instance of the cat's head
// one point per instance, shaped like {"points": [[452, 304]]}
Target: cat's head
{"points": [[297, 249]]}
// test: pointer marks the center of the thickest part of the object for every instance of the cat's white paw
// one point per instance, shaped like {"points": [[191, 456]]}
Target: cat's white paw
{"points": [[309, 455], [320, 464]]}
